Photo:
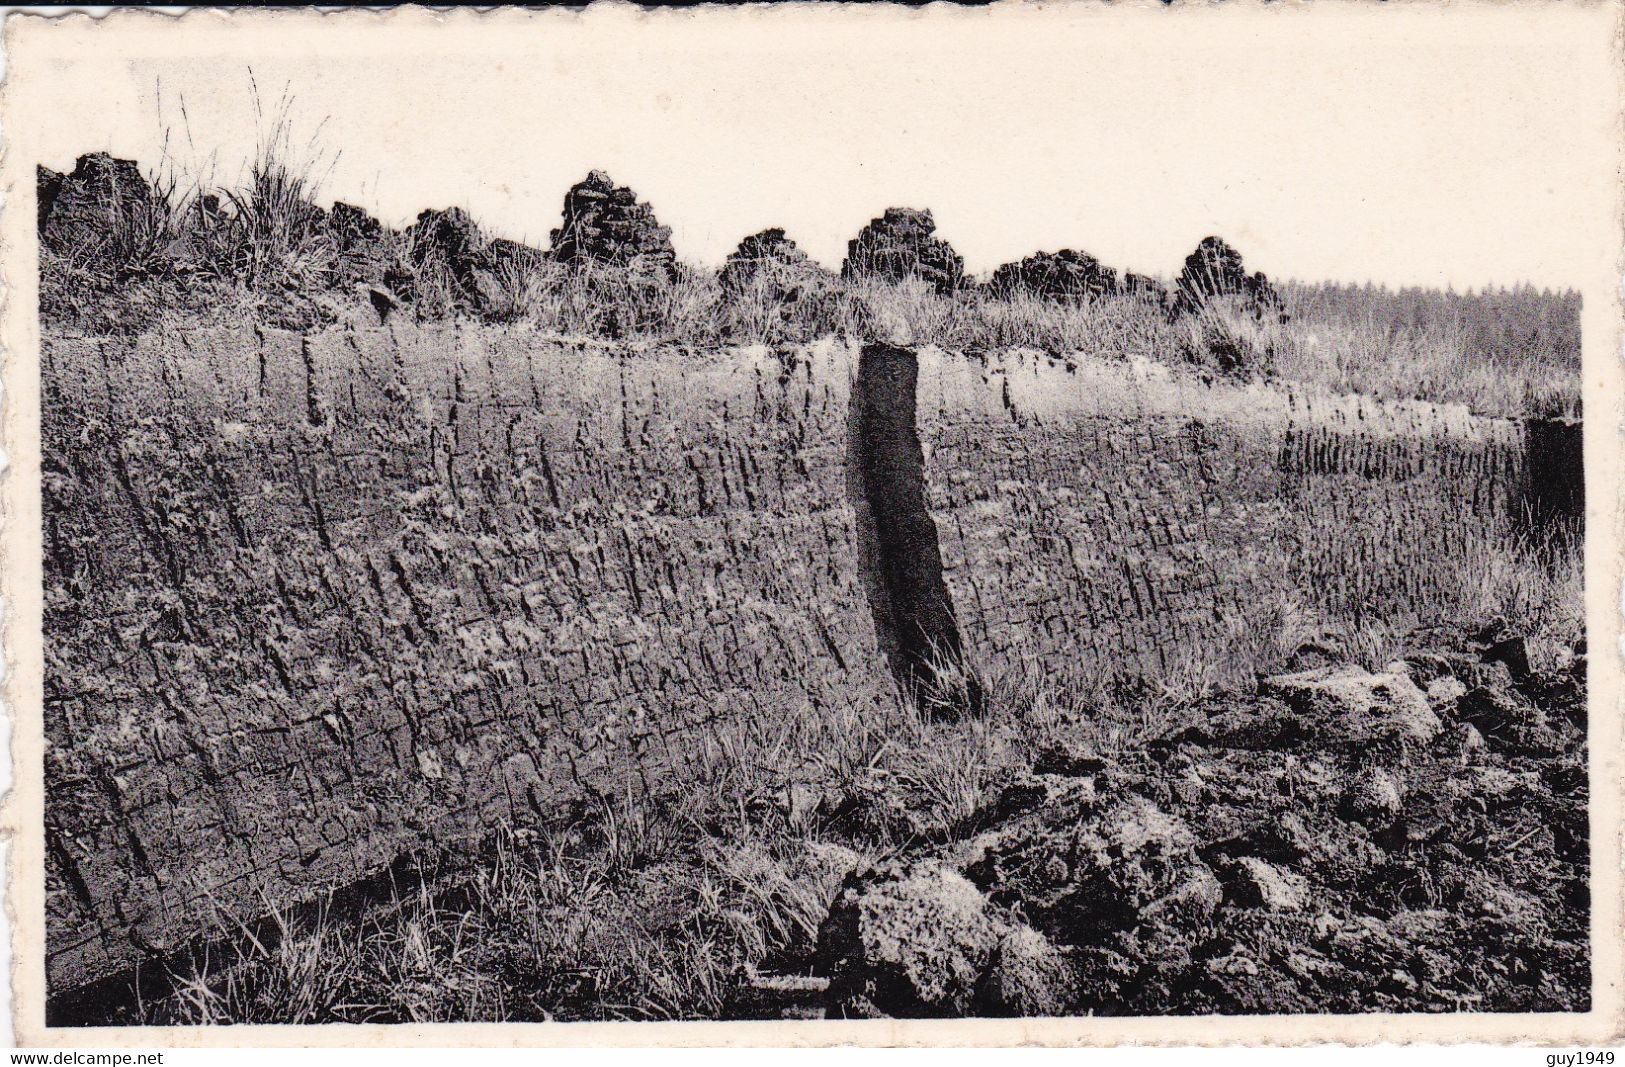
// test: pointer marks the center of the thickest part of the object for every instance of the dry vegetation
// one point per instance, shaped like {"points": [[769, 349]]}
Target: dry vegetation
{"points": [[262, 253], [1501, 351]]}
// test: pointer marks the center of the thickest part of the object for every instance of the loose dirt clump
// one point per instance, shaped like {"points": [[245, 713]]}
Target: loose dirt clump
{"points": [[907, 939], [917, 939], [901, 245]]}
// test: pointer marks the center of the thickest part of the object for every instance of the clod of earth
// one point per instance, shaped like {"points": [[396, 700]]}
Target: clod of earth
{"points": [[1253, 882], [1375, 796], [1350, 704], [1078, 882], [1028, 976], [906, 939]]}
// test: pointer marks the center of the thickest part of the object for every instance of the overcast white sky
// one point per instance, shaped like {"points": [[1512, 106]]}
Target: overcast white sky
{"points": [[1338, 142]]}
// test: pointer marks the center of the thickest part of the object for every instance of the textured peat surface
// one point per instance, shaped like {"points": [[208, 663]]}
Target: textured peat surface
{"points": [[315, 602]]}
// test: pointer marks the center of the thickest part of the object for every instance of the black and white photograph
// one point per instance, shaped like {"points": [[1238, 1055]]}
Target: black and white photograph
{"points": [[814, 514]]}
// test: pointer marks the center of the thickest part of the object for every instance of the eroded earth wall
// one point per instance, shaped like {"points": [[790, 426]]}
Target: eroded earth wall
{"points": [[313, 601]]}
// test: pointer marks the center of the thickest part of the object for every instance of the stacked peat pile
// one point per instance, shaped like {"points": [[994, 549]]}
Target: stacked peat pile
{"points": [[1215, 270], [772, 258], [101, 203], [775, 290], [604, 223], [452, 258], [900, 245], [442, 263], [1067, 276]]}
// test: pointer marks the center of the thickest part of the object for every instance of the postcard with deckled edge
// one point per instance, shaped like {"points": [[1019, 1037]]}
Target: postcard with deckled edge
{"points": [[814, 524]]}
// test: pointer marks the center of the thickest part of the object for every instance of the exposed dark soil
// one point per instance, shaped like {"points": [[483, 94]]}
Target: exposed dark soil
{"points": [[1278, 856], [1328, 845]]}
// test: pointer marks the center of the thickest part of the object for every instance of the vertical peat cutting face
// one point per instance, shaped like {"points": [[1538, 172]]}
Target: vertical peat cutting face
{"points": [[614, 646], [1554, 484], [924, 642]]}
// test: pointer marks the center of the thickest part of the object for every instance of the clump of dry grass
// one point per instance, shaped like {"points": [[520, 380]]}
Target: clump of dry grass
{"points": [[777, 302], [911, 312], [142, 232], [613, 302], [533, 928], [1534, 581], [1228, 337]]}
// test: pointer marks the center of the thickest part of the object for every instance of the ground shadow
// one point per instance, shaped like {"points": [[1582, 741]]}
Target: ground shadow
{"points": [[899, 553], [1554, 499]]}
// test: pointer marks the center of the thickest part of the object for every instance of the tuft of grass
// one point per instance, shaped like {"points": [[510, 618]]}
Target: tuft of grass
{"points": [[643, 906], [273, 235], [594, 300], [776, 303], [143, 233], [1228, 336]]}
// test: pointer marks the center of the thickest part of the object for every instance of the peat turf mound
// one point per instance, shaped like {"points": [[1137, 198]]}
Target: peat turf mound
{"points": [[102, 197], [1215, 269], [1341, 840], [901, 244], [1067, 276], [771, 257]]}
